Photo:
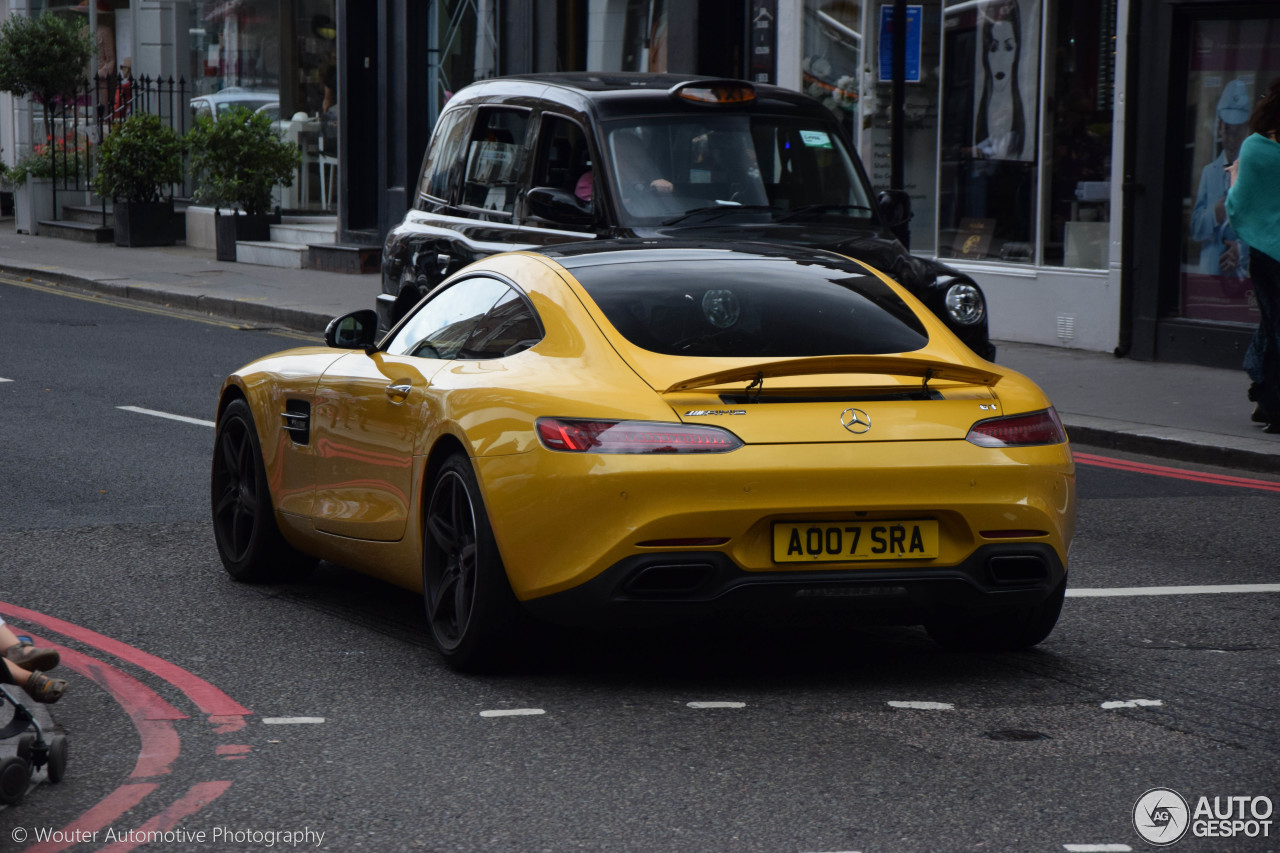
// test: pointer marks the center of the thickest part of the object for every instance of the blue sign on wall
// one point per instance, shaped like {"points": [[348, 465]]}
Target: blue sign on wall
{"points": [[915, 30]]}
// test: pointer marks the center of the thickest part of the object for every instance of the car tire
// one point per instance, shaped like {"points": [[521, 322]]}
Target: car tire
{"points": [[1002, 632], [249, 541], [470, 607]]}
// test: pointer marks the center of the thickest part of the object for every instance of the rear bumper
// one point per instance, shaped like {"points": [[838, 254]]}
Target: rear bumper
{"points": [[696, 584]]}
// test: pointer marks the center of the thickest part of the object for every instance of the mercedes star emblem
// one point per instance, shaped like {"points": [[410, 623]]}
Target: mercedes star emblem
{"points": [[855, 421]]}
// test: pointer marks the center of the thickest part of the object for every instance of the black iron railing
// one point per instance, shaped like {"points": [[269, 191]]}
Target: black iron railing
{"points": [[76, 125]]}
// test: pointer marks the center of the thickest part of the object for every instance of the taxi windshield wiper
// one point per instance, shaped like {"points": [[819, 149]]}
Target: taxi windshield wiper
{"points": [[822, 208], [715, 211]]}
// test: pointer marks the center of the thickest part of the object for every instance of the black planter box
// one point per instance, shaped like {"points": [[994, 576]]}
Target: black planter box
{"points": [[230, 227], [147, 223]]}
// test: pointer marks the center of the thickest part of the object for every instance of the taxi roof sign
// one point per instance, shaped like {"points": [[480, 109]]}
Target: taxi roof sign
{"points": [[715, 92]]}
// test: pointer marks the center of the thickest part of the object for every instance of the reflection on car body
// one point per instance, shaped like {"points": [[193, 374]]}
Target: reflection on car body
{"points": [[545, 159], [636, 429]]}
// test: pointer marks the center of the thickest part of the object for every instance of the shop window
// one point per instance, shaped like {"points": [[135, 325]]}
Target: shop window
{"points": [[1231, 64], [988, 163], [832, 53], [467, 43], [1081, 71]]}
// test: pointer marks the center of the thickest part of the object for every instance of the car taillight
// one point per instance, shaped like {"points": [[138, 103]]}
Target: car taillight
{"points": [[572, 435], [1019, 430]]}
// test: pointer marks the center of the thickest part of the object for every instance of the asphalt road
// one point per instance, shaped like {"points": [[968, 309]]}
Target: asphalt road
{"points": [[199, 705]]}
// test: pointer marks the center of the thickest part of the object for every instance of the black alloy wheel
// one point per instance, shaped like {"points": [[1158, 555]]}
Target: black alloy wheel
{"points": [[244, 523], [468, 599]]}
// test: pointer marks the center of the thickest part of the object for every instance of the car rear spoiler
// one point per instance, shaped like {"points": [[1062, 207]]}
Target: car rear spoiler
{"points": [[927, 369]]}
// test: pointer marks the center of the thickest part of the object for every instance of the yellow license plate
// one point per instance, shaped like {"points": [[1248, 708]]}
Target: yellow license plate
{"points": [[843, 541]]}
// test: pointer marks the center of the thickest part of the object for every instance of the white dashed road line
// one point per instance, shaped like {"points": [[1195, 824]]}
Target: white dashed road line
{"points": [[291, 721], [153, 413], [2, 379], [1172, 590], [514, 712], [1133, 703], [923, 706], [1097, 848], [704, 705]]}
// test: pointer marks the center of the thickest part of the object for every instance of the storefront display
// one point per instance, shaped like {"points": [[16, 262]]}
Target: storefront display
{"points": [[1231, 64]]}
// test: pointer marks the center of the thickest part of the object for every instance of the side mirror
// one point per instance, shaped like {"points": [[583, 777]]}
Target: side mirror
{"points": [[357, 330], [558, 206], [895, 207]]}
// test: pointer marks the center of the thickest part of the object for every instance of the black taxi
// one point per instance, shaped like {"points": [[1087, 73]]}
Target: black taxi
{"points": [[538, 160]]}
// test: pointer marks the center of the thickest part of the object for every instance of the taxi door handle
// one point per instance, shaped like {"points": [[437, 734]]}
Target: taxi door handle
{"points": [[399, 391]]}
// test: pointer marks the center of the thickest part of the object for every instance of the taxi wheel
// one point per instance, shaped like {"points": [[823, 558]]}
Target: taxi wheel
{"points": [[1015, 629], [468, 599], [244, 521]]}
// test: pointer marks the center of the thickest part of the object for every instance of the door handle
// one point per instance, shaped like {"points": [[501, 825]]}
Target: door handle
{"points": [[399, 391]]}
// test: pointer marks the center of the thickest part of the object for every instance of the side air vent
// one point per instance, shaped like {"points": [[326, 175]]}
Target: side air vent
{"points": [[297, 420]]}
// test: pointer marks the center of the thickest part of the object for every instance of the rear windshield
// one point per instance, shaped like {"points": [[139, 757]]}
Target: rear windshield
{"points": [[752, 308]]}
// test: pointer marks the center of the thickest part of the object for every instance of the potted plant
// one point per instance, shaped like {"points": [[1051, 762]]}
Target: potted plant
{"points": [[236, 159], [32, 179], [136, 161], [43, 56]]}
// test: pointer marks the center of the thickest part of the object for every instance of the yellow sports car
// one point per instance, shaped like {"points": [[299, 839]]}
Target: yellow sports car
{"points": [[620, 429]]}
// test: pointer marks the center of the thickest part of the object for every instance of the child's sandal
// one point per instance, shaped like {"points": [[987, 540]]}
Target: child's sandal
{"points": [[28, 656], [44, 689]]}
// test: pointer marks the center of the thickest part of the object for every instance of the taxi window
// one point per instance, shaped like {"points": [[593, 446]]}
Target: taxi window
{"points": [[564, 159], [752, 308], [440, 327], [495, 158], [442, 155], [785, 168]]}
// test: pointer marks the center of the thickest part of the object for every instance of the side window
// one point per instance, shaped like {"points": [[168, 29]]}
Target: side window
{"points": [[511, 326], [495, 157], [439, 328], [442, 155], [564, 159]]}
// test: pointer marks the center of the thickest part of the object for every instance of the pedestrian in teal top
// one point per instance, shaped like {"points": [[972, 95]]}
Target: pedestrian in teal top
{"points": [[1253, 206]]}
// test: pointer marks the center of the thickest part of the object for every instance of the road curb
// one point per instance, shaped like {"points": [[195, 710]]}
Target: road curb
{"points": [[231, 309], [1170, 443]]}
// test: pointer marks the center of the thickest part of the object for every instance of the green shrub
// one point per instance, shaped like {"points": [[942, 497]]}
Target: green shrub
{"points": [[237, 159], [139, 158]]}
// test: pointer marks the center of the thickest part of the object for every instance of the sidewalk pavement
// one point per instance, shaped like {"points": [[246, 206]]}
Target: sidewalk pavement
{"points": [[1177, 411]]}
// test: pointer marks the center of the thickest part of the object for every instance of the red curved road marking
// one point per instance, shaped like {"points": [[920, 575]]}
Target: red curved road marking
{"points": [[1175, 473], [98, 818], [207, 698], [153, 718], [193, 801]]}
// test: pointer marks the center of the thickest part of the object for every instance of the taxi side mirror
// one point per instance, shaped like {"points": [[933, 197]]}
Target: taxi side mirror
{"points": [[895, 207], [357, 330]]}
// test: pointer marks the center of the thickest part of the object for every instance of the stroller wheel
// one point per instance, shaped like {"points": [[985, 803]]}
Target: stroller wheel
{"points": [[14, 774], [57, 758]]}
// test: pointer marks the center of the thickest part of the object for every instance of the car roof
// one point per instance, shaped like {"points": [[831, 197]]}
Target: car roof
{"points": [[621, 93], [625, 251]]}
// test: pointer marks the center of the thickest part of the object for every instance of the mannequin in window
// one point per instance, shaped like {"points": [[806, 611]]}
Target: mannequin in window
{"points": [[1221, 251], [1000, 129]]}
